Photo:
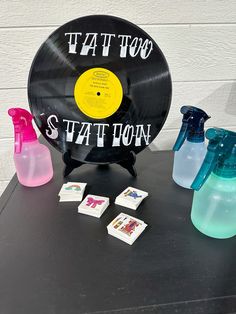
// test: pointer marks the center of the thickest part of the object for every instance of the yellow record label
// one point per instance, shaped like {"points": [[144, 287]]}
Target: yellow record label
{"points": [[98, 93]]}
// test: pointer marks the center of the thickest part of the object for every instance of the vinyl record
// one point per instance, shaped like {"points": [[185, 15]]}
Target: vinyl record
{"points": [[99, 87]]}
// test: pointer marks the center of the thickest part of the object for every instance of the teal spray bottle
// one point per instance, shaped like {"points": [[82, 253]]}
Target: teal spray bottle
{"points": [[214, 202], [189, 148]]}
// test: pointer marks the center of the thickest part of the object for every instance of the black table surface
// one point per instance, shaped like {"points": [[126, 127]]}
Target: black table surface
{"points": [[54, 260]]}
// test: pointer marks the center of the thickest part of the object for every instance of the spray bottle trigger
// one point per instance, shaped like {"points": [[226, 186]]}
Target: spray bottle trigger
{"points": [[181, 137], [18, 142], [205, 170]]}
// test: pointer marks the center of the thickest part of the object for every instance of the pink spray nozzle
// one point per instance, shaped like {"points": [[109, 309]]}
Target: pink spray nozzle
{"points": [[24, 131], [12, 112], [19, 115]]}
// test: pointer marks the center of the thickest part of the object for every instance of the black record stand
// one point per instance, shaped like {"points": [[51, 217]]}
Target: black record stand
{"points": [[71, 164]]}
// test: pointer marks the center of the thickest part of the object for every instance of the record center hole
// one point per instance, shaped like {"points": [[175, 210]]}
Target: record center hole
{"points": [[98, 93]]}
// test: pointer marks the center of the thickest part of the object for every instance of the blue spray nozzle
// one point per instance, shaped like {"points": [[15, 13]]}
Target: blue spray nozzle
{"points": [[192, 127], [220, 157]]}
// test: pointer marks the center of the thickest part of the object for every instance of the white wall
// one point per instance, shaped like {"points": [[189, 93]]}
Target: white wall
{"points": [[197, 38]]}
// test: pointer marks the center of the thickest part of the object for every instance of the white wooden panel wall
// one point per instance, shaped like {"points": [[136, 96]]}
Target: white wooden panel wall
{"points": [[197, 38]]}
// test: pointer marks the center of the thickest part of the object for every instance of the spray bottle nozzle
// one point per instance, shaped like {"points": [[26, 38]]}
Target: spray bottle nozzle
{"points": [[24, 131], [192, 126], [220, 157]]}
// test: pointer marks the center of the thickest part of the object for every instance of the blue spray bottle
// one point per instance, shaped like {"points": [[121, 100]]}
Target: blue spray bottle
{"points": [[189, 148], [214, 202]]}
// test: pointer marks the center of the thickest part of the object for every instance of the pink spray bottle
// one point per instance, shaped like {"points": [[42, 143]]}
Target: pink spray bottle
{"points": [[32, 160]]}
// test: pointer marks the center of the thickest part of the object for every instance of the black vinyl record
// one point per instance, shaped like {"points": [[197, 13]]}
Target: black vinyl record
{"points": [[99, 87]]}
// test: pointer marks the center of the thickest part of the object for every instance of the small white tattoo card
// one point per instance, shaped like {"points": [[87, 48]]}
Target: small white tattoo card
{"points": [[72, 191], [93, 205], [131, 197], [126, 228]]}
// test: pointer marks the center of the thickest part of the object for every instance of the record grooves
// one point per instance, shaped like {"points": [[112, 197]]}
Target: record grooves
{"points": [[99, 88]]}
